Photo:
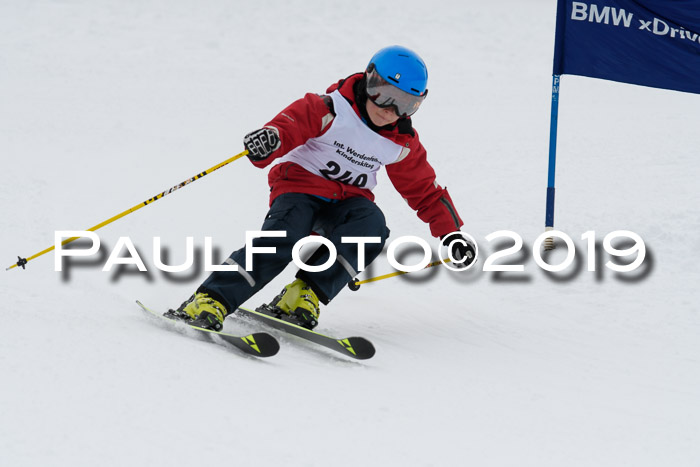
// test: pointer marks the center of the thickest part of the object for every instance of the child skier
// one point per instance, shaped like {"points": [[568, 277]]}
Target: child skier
{"points": [[329, 149]]}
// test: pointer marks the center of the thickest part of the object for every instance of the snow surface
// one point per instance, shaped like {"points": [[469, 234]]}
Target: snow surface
{"points": [[107, 103]]}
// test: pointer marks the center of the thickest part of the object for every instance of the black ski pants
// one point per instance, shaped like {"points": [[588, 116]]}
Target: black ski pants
{"points": [[299, 215]]}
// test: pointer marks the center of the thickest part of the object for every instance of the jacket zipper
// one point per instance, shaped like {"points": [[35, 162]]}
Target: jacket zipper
{"points": [[451, 210]]}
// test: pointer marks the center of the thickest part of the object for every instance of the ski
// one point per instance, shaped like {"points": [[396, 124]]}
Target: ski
{"points": [[259, 344], [354, 347]]}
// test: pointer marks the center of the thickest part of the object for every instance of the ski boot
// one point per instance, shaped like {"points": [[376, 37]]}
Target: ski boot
{"points": [[297, 303], [202, 311]]}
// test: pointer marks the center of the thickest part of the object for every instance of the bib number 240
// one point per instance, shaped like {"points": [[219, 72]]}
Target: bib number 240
{"points": [[333, 170]]}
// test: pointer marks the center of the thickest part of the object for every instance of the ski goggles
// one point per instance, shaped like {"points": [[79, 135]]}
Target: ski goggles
{"points": [[384, 95]]}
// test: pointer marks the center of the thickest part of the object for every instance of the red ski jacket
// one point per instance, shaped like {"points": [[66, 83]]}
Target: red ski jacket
{"points": [[413, 177]]}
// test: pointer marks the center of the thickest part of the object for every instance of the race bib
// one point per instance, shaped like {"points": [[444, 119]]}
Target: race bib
{"points": [[349, 152]]}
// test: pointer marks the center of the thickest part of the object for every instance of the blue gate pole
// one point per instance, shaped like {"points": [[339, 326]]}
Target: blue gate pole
{"points": [[549, 217]]}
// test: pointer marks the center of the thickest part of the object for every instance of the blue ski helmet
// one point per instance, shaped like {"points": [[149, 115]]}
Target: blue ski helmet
{"points": [[401, 67], [397, 77]]}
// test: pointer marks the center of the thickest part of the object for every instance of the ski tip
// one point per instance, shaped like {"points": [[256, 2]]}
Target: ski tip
{"points": [[358, 347], [262, 344]]}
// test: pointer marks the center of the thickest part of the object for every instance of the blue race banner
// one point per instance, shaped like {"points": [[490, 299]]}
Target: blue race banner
{"points": [[648, 42]]}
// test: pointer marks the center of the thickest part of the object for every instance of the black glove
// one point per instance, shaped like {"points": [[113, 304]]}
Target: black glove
{"points": [[462, 249], [261, 143]]}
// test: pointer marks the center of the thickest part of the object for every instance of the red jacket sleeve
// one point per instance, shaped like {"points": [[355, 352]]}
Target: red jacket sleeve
{"points": [[414, 179], [305, 118]]}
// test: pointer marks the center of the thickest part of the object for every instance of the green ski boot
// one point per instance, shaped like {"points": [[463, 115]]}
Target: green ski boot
{"points": [[300, 303], [202, 311]]}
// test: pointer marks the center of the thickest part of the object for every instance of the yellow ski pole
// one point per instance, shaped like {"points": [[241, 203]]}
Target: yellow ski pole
{"points": [[23, 261], [355, 284]]}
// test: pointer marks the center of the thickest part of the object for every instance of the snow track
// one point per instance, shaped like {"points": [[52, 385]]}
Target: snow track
{"points": [[105, 104]]}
